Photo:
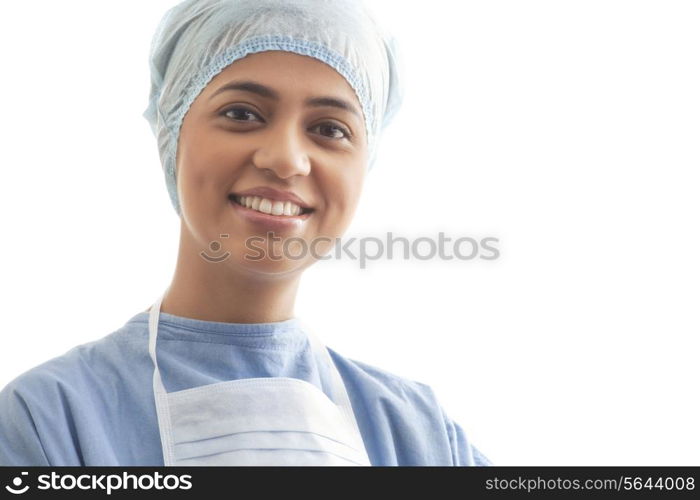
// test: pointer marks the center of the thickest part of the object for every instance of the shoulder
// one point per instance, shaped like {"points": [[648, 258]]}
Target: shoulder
{"points": [[40, 407], [384, 381], [412, 410], [81, 365]]}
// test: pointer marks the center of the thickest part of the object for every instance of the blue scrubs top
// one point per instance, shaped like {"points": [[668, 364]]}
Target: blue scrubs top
{"points": [[94, 405]]}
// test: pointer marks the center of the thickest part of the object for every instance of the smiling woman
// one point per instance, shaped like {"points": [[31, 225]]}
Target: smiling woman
{"points": [[285, 135], [267, 115]]}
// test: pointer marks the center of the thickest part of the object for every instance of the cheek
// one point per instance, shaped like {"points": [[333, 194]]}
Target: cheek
{"points": [[203, 165], [190, 178], [342, 192], [350, 182]]}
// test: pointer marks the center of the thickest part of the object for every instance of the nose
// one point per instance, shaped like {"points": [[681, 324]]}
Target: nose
{"points": [[282, 151]]}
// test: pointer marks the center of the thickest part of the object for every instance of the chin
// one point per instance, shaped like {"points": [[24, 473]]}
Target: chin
{"points": [[273, 268]]}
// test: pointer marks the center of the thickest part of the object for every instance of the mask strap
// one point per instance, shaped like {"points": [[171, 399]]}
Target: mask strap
{"points": [[162, 407]]}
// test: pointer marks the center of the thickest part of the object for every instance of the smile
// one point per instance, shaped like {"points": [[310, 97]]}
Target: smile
{"points": [[270, 207], [261, 211]]}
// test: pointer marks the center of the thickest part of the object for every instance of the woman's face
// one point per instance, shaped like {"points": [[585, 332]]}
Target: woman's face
{"points": [[293, 125]]}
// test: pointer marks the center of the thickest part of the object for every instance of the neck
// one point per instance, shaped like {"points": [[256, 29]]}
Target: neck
{"points": [[213, 291]]}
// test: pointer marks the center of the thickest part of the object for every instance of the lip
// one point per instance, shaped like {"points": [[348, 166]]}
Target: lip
{"points": [[274, 194], [271, 222]]}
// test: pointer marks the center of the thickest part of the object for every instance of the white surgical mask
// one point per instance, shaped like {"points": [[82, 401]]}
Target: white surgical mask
{"points": [[276, 421]]}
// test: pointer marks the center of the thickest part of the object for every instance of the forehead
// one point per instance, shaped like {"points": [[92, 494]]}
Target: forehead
{"points": [[286, 72]]}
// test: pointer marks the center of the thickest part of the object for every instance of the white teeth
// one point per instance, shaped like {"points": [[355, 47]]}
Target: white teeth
{"points": [[278, 208], [265, 206], [268, 206]]}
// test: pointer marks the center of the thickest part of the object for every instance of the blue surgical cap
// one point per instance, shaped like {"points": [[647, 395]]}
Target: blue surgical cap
{"points": [[197, 39]]}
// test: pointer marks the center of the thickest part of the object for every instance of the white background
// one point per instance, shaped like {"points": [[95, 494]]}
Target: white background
{"points": [[567, 129]]}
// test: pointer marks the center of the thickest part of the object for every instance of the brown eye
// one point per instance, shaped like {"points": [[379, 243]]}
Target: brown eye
{"points": [[333, 131], [240, 114]]}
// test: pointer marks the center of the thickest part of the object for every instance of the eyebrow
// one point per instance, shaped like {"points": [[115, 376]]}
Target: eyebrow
{"points": [[268, 93]]}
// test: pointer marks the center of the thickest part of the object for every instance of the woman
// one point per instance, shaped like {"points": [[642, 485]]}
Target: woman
{"points": [[267, 115]]}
